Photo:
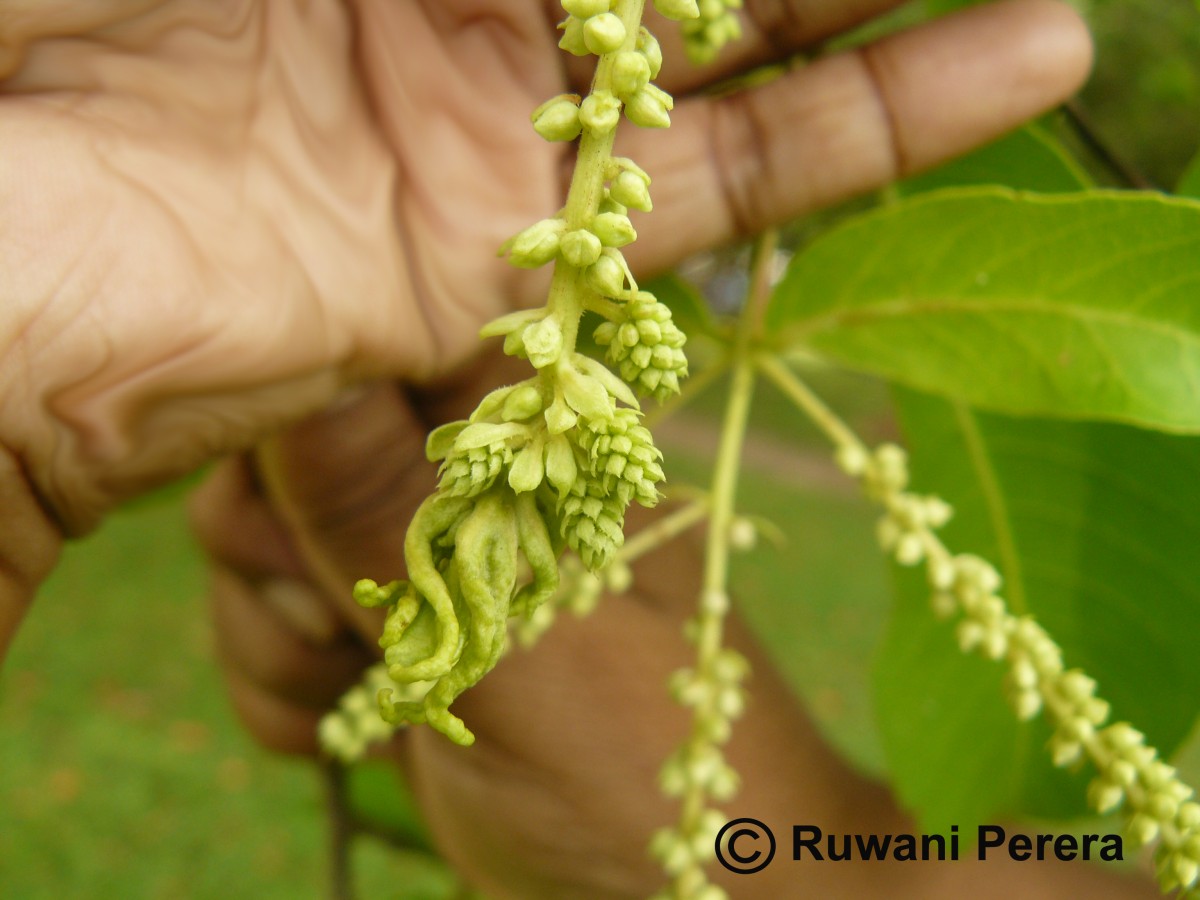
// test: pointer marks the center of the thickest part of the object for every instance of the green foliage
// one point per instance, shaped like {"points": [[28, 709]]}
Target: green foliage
{"points": [[1075, 306], [1028, 159]]}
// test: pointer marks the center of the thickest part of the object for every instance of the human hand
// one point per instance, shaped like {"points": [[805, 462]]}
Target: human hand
{"points": [[213, 216], [566, 753]]}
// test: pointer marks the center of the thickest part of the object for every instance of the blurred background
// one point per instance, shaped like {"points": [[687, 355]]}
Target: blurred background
{"points": [[124, 774]]}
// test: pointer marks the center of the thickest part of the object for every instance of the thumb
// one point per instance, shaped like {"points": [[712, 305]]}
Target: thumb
{"points": [[345, 484]]}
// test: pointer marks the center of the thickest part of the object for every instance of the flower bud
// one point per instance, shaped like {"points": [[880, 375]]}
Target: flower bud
{"points": [[603, 33], [648, 109], [527, 470], [630, 189], [560, 463], [558, 118], [544, 342], [522, 403], [608, 204], [572, 37], [613, 229], [606, 275], [647, 45], [678, 9], [1103, 795], [585, 9], [600, 112], [537, 244], [581, 248], [743, 534], [630, 73]]}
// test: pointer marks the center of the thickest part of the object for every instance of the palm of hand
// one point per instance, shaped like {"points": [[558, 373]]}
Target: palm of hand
{"points": [[220, 213]]}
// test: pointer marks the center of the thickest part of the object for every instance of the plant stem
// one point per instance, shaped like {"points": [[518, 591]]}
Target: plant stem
{"points": [[1081, 124], [341, 828], [809, 403], [714, 597], [652, 536], [567, 287]]}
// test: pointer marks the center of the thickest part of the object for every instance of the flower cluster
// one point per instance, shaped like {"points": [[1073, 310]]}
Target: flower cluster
{"points": [[1157, 804], [346, 732], [645, 346], [698, 768], [715, 26], [553, 461]]}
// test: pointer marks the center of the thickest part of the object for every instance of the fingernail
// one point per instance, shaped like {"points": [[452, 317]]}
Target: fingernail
{"points": [[303, 609]]}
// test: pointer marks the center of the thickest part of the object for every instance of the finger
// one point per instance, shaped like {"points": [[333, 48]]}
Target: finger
{"points": [[236, 526], [241, 533], [261, 646], [345, 484], [29, 546], [736, 165], [273, 722], [772, 30]]}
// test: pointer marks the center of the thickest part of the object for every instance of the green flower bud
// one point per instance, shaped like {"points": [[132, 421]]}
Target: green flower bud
{"points": [[572, 37], [601, 112], [624, 457], [609, 205], [585, 9], [471, 472], [561, 468], [592, 523], [544, 342], [522, 403], [677, 9], [630, 73], [560, 417], [647, 45], [537, 244], [585, 394], [603, 33], [527, 469], [607, 274], [632, 190], [648, 108], [580, 247], [558, 118], [613, 229]]}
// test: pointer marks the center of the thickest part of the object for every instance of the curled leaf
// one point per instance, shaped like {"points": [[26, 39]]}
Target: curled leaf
{"points": [[539, 552]]}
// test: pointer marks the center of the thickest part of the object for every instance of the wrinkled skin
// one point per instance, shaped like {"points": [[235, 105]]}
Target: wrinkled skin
{"points": [[216, 216]]}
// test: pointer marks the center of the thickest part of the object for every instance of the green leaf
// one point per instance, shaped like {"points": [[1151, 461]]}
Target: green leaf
{"points": [[1077, 306], [1189, 184], [1028, 159], [1094, 527]]}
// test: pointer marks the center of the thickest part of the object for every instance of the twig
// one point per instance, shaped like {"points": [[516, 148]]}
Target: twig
{"points": [[1081, 123], [341, 828]]}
